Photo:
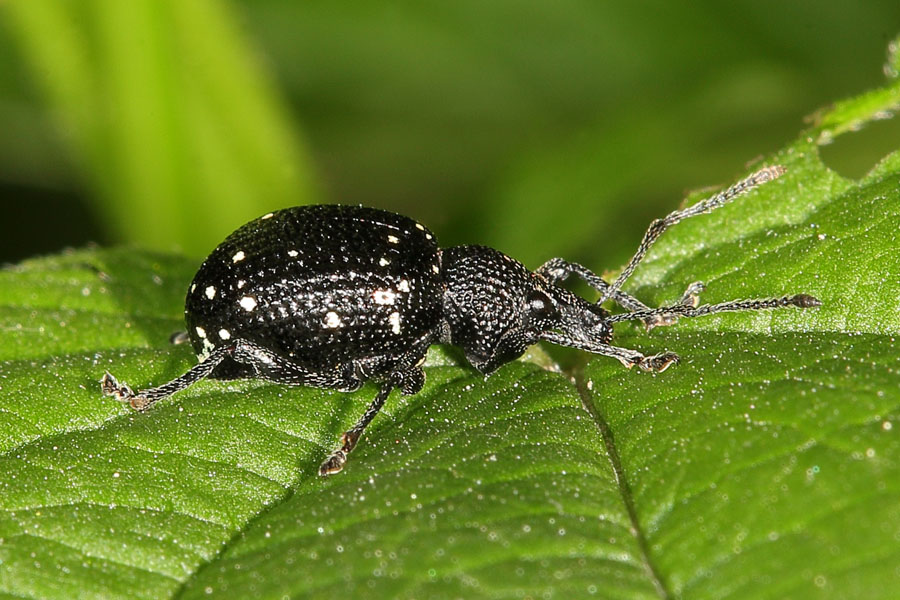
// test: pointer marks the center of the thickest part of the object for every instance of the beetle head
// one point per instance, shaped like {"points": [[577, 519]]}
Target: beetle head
{"points": [[494, 309]]}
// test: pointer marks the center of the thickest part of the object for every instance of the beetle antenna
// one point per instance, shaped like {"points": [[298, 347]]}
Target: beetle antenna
{"points": [[686, 310], [658, 226]]}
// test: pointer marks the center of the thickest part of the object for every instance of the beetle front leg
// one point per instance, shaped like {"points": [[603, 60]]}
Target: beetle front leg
{"points": [[690, 299], [658, 226], [558, 269], [630, 358]]}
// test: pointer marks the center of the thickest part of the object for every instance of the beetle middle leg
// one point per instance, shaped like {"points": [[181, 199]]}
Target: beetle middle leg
{"points": [[336, 460], [409, 382], [407, 375]]}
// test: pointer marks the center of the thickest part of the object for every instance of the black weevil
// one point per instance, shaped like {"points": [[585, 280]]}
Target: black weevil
{"points": [[330, 296]]}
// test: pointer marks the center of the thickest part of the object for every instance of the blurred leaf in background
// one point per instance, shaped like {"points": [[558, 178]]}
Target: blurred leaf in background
{"points": [[172, 125], [571, 123]]}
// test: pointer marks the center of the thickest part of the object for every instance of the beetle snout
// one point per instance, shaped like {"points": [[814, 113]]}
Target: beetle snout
{"points": [[588, 323]]}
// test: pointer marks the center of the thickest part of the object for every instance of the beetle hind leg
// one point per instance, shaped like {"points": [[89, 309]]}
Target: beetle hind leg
{"points": [[263, 363], [143, 399], [259, 361]]}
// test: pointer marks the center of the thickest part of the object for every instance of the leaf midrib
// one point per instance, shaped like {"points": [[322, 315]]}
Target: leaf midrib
{"points": [[624, 487]]}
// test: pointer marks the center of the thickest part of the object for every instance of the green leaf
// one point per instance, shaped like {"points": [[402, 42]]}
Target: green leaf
{"points": [[764, 465]]}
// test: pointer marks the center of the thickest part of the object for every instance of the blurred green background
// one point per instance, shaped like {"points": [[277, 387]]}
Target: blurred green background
{"points": [[541, 128]]}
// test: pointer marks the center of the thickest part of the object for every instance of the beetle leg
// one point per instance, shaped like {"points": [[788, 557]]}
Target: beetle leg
{"points": [[630, 358], [690, 298], [266, 364], [409, 381], [179, 337], [141, 400], [558, 269], [667, 314], [336, 460], [275, 368]]}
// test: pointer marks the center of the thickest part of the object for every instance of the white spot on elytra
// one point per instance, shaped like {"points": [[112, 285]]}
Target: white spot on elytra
{"points": [[193, 287], [332, 320], [224, 334], [393, 239], [200, 331], [267, 216], [208, 347], [394, 320], [383, 261], [420, 227], [384, 296], [211, 292], [241, 283], [428, 236], [238, 257], [404, 285], [248, 303], [435, 268], [292, 253]]}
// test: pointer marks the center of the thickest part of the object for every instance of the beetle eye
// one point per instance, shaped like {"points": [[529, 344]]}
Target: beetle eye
{"points": [[540, 307]]}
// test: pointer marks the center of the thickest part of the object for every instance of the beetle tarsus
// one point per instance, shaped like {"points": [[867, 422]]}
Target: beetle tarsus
{"points": [[658, 362], [337, 459], [690, 298], [112, 387], [333, 464], [122, 392]]}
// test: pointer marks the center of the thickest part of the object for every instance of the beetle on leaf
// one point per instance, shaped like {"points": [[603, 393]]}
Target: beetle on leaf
{"points": [[331, 296]]}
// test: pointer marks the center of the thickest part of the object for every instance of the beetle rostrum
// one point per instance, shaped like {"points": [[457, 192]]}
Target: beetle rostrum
{"points": [[331, 296]]}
